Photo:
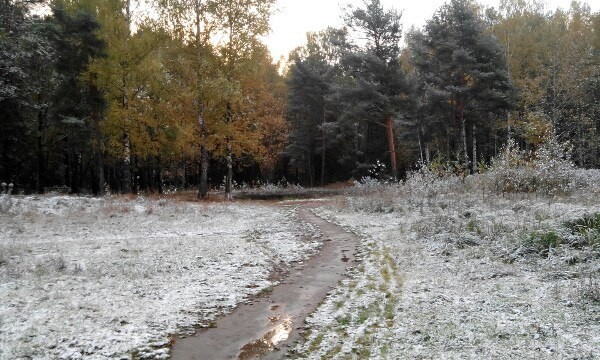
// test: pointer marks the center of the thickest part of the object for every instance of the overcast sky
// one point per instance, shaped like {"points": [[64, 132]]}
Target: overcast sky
{"points": [[294, 18]]}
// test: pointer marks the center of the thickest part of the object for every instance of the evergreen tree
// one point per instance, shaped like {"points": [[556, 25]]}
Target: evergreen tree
{"points": [[309, 84], [78, 103], [376, 91], [17, 42], [464, 78]]}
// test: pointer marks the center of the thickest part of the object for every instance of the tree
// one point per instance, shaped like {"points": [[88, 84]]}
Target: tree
{"points": [[17, 139], [378, 86], [193, 23], [552, 62], [243, 22], [463, 74], [309, 81], [128, 76], [78, 103]]}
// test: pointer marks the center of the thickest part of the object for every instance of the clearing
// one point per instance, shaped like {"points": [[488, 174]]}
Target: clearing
{"points": [[448, 269]]}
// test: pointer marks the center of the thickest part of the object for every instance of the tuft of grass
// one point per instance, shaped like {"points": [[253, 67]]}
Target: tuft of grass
{"points": [[363, 316], [588, 227], [473, 227], [389, 310], [542, 240], [385, 274], [352, 284], [333, 352], [587, 222], [365, 343], [265, 291], [316, 343], [591, 289], [343, 320]]}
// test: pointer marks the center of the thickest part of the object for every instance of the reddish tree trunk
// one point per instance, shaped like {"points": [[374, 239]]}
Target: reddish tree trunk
{"points": [[391, 147]]}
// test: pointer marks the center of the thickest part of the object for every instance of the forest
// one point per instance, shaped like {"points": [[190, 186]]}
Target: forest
{"points": [[127, 96]]}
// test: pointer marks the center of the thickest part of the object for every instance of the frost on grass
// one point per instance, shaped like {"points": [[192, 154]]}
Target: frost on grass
{"points": [[455, 268], [107, 278]]}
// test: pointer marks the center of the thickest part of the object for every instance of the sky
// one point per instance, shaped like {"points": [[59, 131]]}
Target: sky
{"points": [[293, 18]]}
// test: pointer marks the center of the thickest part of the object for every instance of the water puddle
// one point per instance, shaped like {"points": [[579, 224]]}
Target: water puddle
{"points": [[265, 328], [268, 342]]}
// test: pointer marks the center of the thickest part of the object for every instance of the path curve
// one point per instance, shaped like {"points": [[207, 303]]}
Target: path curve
{"points": [[265, 328]]}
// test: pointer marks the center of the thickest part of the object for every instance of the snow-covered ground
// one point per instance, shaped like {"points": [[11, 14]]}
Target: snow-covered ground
{"points": [[448, 269], [109, 277], [451, 271]]}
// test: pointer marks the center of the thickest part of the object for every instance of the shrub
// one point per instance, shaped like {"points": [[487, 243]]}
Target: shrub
{"points": [[548, 170]]}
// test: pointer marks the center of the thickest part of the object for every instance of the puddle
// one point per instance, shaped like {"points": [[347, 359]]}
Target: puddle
{"points": [[264, 329], [268, 342]]}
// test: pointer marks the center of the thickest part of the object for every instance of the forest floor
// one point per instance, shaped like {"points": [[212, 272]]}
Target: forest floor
{"points": [[452, 272]]}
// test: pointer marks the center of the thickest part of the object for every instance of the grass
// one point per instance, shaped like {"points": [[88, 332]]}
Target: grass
{"points": [[473, 227], [592, 291], [316, 343], [332, 352], [544, 239], [343, 320], [520, 226], [588, 227]]}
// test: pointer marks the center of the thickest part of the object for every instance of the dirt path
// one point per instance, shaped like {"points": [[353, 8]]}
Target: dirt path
{"points": [[266, 327]]}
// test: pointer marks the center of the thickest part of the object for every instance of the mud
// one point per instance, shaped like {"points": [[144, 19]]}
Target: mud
{"points": [[264, 328]]}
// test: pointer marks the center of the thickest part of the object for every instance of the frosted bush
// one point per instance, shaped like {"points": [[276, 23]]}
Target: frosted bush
{"points": [[548, 170], [369, 183], [5, 203], [429, 181]]}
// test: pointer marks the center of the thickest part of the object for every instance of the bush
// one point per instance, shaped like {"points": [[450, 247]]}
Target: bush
{"points": [[548, 170]]}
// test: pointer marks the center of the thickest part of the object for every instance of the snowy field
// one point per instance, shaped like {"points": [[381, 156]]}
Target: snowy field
{"points": [[451, 270], [109, 277]]}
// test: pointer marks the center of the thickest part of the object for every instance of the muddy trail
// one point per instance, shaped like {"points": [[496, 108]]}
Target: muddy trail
{"points": [[267, 326]]}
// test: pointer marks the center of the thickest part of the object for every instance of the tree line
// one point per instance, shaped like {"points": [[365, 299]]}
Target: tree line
{"points": [[471, 78], [129, 96]]}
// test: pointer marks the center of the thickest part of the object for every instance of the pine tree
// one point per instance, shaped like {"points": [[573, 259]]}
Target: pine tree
{"points": [[377, 89], [309, 84], [464, 77]]}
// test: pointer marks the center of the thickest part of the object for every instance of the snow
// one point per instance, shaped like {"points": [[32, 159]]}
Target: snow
{"points": [[96, 278], [447, 269], [457, 286]]}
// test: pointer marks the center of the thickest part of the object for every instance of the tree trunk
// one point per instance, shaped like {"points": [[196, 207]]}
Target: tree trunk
{"points": [[127, 166], [474, 149], [310, 170], [99, 173], [421, 146], [40, 152], [77, 169], [67, 162], [463, 134], [323, 152], [229, 176], [229, 158], [184, 177], [203, 186], [391, 147], [159, 179]]}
